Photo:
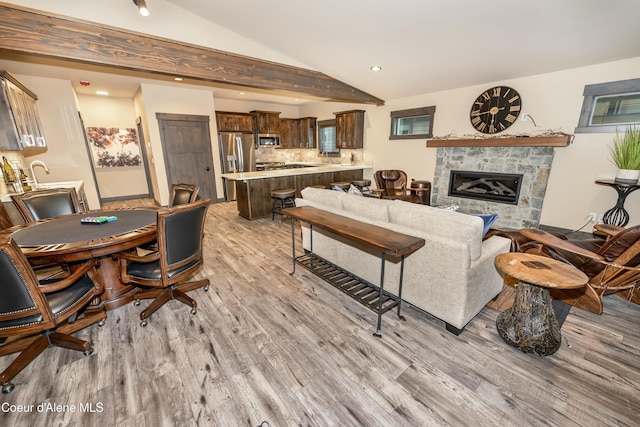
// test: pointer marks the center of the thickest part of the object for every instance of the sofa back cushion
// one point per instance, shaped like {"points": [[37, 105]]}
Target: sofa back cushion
{"points": [[367, 207], [455, 226], [320, 196]]}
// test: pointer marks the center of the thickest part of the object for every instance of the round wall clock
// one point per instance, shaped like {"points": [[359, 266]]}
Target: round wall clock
{"points": [[495, 109]]}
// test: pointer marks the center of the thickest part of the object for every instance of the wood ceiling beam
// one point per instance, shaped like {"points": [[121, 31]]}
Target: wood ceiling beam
{"points": [[35, 32]]}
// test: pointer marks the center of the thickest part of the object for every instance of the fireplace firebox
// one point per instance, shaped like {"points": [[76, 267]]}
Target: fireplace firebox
{"points": [[488, 186]]}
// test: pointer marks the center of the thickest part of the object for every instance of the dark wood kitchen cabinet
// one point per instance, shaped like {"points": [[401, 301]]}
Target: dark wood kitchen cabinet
{"points": [[20, 126], [350, 129], [307, 130], [289, 135], [298, 133], [234, 122], [267, 122]]}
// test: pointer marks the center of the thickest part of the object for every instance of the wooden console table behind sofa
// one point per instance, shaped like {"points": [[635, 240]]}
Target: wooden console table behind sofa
{"points": [[378, 240]]}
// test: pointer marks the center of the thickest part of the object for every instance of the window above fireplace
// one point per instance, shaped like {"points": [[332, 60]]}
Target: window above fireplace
{"points": [[610, 107]]}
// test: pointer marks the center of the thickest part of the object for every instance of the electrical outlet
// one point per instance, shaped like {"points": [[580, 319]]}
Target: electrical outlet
{"points": [[593, 217]]}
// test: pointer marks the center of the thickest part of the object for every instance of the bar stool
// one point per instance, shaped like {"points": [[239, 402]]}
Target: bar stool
{"points": [[422, 190], [362, 185], [344, 186], [283, 198]]}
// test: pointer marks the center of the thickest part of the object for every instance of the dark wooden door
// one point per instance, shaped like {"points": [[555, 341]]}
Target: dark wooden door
{"points": [[186, 145]]}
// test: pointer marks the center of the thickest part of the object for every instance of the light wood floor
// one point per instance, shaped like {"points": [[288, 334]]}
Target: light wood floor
{"points": [[296, 351]]}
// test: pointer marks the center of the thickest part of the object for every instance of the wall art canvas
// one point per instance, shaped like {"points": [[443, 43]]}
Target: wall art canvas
{"points": [[114, 147]]}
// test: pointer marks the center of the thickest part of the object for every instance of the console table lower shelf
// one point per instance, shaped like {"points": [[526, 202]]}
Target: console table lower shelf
{"points": [[366, 293]]}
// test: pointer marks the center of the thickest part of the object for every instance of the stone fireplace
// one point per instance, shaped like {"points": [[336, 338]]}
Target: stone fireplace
{"points": [[486, 167]]}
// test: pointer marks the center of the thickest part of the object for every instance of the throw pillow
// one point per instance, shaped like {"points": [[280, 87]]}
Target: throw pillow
{"points": [[488, 219], [354, 190]]}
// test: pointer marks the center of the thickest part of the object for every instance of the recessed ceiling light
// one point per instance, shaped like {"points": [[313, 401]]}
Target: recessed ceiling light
{"points": [[178, 79], [102, 92], [296, 99], [375, 68], [241, 93], [142, 7]]}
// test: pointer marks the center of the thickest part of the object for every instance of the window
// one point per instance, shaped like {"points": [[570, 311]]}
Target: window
{"points": [[608, 107], [327, 137], [412, 124]]}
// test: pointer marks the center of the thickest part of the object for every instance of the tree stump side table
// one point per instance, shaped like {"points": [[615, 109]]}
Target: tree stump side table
{"points": [[530, 324]]}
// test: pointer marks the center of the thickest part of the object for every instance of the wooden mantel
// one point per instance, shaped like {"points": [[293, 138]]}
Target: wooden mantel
{"points": [[515, 141]]}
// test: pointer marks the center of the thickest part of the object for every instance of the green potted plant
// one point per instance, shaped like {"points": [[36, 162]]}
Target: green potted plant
{"points": [[625, 153]]}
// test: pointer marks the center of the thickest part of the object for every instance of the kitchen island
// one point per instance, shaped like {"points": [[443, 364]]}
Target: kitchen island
{"points": [[253, 189]]}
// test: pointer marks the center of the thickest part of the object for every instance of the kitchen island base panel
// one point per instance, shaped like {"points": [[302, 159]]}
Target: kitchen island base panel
{"points": [[253, 196]]}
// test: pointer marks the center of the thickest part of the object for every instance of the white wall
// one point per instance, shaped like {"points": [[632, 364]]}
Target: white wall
{"points": [[112, 112], [66, 155], [554, 100], [172, 100], [286, 111]]}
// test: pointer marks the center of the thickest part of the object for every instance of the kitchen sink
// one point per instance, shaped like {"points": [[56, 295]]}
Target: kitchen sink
{"points": [[59, 184]]}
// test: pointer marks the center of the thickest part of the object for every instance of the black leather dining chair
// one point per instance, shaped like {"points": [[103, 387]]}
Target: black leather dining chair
{"points": [[181, 194], [39, 314], [162, 274], [41, 204]]}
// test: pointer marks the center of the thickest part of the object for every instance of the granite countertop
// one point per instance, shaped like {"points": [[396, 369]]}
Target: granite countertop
{"points": [[288, 172]]}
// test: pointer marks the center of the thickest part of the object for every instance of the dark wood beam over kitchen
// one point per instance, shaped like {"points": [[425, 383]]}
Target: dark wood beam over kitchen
{"points": [[35, 32]]}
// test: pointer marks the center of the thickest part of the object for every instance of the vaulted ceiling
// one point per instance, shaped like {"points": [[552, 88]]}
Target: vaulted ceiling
{"points": [[426, 46]]}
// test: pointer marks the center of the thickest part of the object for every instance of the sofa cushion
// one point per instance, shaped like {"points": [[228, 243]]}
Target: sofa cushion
{"points": [[324, 197], [456, 226], [368, 207]]}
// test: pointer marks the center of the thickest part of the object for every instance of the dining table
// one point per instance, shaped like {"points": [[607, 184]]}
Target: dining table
{"points": [[70, 239]]}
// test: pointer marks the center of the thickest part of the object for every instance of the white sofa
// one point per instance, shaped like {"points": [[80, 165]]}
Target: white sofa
{"points": [[452, 277]]}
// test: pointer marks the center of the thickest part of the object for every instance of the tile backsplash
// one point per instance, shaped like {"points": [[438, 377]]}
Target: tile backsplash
{"points": [[270, 154]]}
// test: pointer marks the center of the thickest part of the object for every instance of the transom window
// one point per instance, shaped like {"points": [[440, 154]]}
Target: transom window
{"points": [[412, 124], [616, 109], [610, 107]]}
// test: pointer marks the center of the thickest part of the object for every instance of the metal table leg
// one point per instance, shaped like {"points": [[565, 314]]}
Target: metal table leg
{"points": [[293, 245], [377, 333]]}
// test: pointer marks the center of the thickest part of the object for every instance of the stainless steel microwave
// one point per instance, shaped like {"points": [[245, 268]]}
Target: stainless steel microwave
{"points": [[268, 140]]}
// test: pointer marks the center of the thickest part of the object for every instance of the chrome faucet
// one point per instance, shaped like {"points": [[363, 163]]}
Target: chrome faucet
{"points": [[33, 174]]}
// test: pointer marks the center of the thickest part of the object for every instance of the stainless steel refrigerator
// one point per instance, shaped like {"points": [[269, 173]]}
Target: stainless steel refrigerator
{"points": [[237, 154]]}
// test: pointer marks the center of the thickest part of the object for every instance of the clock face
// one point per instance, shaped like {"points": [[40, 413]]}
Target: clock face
{"points": [[495, 109]]}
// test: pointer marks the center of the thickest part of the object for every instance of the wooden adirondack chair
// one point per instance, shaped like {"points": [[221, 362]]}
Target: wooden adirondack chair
{"points": [[613, 268]]}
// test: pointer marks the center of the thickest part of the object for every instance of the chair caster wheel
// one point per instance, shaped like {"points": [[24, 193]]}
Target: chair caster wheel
{"points": [[7, 388], [136, 302], [88, 352], [143, 323], [206, 288], [194, 311], [102, 322]]}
